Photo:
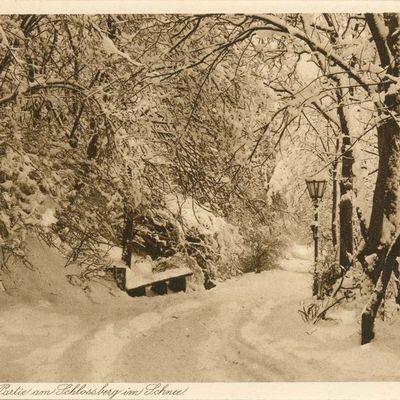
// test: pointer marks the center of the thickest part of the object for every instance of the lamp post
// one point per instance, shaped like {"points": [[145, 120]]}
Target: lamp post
{"points": [[316, 189]]}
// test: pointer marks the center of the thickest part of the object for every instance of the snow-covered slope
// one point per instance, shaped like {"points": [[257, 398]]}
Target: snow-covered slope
{"points": [[48, 280]]}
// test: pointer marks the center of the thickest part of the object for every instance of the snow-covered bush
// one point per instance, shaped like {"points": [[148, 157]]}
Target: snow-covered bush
{"points": [[314, 311], [214, 243], [182, 228], [318, 309], [24, 201], [327, 274], [263, 252]]}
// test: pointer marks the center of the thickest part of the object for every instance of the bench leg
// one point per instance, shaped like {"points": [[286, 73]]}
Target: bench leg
{"points": [[160, 288], [178, 284], [137, 292]]}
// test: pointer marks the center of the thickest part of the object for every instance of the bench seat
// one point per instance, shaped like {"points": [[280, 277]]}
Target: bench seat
{"points": [[159, 282]]}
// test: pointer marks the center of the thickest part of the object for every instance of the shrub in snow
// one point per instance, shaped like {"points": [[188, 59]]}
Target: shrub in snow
{"points": [[264, 250], [214, 243], [327, 273], [318, 309], [183, 231], [22, 193], [356, 280], [314, 311], [155, 233]]}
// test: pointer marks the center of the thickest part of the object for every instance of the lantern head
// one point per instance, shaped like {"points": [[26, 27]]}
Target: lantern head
{"points": [[316, 189]]}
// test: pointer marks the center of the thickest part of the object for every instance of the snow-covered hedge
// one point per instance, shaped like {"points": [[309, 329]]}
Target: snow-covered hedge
{"points": [[184, 227]]}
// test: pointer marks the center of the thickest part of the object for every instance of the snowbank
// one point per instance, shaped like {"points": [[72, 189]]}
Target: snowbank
{"points": [[46, 279]]}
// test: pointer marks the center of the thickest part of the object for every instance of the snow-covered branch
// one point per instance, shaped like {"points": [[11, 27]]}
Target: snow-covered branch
{"points": [[323, 49]]}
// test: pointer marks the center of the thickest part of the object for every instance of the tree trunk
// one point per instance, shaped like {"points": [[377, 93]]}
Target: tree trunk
{"points": [[334, 174], [371, 309], [346, 188], [346, 181], [384, 224], [385, 196], [127, 235], [396, 273]]}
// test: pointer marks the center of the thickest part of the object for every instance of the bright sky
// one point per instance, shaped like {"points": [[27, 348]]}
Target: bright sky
{"points": [[306, 69]]}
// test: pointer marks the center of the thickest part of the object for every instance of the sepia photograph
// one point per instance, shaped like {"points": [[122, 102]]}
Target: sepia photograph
{"points": [[199, 197]]}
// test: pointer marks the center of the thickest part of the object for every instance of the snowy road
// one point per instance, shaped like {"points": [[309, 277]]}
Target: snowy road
{"points": [[246, 329]]}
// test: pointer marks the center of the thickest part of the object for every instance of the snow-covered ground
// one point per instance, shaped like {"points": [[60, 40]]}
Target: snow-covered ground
{"points": [[245, 329]]}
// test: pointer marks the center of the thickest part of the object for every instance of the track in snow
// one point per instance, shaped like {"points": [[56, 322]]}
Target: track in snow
{"points": [[245, 329]]}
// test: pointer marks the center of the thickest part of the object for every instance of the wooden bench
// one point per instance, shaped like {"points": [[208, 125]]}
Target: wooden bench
{"points": [[159, 282]]}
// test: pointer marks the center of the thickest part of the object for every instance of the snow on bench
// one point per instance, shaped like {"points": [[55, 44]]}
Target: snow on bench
{"points": [[136, 282]]}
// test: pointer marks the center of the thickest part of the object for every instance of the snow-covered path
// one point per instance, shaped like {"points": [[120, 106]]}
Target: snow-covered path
{"points": [[246, 329]]}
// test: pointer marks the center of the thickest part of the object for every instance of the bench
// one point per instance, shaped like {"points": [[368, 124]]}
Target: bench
{"points": [[158, 282]]}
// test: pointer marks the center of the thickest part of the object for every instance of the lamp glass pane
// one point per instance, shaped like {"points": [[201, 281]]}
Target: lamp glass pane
{"points": [[321, 188], [316, 189], [311, 188]]}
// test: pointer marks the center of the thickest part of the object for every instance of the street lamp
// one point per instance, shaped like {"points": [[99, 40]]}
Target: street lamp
{"points": [[316, 189]]}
